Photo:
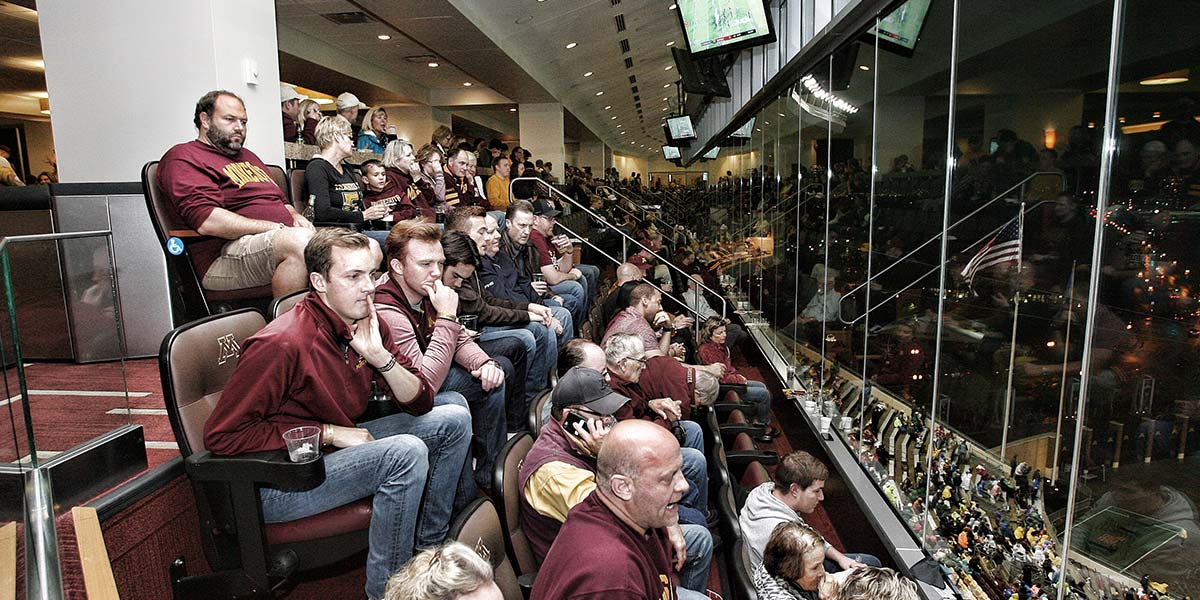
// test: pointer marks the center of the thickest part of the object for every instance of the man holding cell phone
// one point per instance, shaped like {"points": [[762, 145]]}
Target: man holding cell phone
{"points": [[560, 471]]}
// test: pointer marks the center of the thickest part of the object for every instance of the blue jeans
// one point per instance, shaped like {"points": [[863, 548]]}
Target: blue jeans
{"points": [[573, 297], [510, 354], [694, 504], [694, 575], [541, 347], [591, 279], [409, 454], [866, 559], [487, 419], [758, 395]]}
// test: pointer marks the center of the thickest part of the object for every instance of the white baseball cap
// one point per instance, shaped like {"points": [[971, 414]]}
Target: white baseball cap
{"points": [[287, 92], [348, 100]]}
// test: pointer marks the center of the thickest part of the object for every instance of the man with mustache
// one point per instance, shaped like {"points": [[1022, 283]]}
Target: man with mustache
{"points": [[250, 235]]}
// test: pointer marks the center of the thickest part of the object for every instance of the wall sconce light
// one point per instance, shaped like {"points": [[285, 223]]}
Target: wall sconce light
{"points": [[1050, 137]]}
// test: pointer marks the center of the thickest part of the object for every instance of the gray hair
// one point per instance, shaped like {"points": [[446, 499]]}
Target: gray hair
{"points": [[621, 346], [871, 583], [328, 128], [443, 573]]}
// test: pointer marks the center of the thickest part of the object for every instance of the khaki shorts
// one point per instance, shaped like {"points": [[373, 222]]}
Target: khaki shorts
{"points": [[246, 262]]}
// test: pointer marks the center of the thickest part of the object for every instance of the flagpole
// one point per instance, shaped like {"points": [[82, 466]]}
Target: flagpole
{"points": [[1012, 346], [1062, 385]]}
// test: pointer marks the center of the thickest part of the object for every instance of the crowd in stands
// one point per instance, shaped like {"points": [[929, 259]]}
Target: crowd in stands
{"points": [[461, 307]]}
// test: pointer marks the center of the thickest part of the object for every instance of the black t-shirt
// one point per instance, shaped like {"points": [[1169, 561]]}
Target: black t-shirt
{"points": [[336, 197]]}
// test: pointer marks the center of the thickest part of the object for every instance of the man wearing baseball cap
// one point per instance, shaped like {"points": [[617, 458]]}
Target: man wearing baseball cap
{"points": [[290, 100], [348, 106], [556, 256], [560, 470]]}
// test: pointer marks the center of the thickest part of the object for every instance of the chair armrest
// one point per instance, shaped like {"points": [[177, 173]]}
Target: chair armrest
{"points": [[526, 583], [741, 458], [270, 468], [725, 388], [183, 233]]}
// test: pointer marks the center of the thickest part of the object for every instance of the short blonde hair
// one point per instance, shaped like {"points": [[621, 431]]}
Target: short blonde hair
{"points": [[392, 152], [872, 583], [443, 573], [329, 128]]}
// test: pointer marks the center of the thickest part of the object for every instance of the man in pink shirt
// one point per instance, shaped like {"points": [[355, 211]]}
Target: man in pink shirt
{"points": [[421, 313]]}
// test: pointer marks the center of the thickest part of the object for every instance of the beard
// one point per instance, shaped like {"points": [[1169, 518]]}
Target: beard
{"points": [[227, 142]]}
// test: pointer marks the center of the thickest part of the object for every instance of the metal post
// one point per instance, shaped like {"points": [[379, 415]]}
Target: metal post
{"points": [[1118, 442], [1107, 159], [1182, 424], [1062, 385], [1008, 388]]}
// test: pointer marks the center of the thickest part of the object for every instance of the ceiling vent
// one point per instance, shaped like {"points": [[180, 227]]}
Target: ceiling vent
{"points": [[628, 63], [616, 2], [633, 79], [625, 45], [620, 23], [349, 18], [634, 89]]}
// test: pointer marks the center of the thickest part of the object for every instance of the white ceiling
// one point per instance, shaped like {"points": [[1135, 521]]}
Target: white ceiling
{"points": [[535, 34]]}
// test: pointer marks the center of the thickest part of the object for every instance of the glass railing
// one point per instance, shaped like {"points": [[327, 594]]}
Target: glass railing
{"points": [[69, 432]]}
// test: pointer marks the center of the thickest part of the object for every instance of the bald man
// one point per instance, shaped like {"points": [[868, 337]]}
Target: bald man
{"points": [[617, 543], [628, 277]]}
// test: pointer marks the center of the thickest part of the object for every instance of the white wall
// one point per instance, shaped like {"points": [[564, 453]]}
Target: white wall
{"points": [[541, 132], [124, 75], [901, 122], [592, 154]]}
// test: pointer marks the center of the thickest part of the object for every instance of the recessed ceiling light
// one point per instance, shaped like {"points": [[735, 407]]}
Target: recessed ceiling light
{"points": [[588, 74], [782, 115], [433, 64], [613, 118], [600, 93], [623, 133], [864, 67], [608, 107], [385, 37], [669, 67], [666, 99], [665, 109], [671, 7], [523, 20], [571, 45], [1163, 80], [512, 110], [671, 43], [666, 85], [467, 84]]}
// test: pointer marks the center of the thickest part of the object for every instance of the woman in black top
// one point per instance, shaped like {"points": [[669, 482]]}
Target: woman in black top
{"points": [[333, 187]]}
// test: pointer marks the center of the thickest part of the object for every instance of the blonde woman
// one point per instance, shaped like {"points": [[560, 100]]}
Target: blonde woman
{"points": [[310, 115], [333, 191], [376, 133], [793, 564], [452, 572]]}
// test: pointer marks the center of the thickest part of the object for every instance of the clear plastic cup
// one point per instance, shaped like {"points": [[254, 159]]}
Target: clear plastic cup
{"points": [[303, 443]]}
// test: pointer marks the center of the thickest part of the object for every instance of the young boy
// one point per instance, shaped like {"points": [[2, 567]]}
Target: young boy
{"points": [[381, 188]]}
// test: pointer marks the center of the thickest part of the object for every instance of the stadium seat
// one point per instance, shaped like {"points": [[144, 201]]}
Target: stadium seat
{"points": [[506, 491], [536, 408], [741, 572], [478, 526], [736, 422], [284, 304], [248, 558], [167, 223]]}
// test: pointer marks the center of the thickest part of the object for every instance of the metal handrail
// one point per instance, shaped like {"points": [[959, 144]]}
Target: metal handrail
{"points": [[938, 235], [623, 197], [624, 235], [987, 235]]}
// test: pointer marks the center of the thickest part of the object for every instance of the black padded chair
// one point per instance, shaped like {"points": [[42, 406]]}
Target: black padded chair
{"points": [[168, 224], [536, 407], [506, 493], [741, 572], [248, 558], [284, 304], [478, 527], [736, 422]]}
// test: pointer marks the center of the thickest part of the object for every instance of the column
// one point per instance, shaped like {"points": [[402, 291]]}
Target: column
{"points": [[541, 133], [123, 78]]}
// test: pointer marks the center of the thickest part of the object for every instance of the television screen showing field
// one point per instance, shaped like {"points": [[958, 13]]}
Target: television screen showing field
{"points": [[903, 26], [713, 24]]}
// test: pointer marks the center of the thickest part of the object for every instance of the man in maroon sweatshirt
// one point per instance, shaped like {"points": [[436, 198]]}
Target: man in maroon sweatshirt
{"points": [[315, 366], [250, 235]]}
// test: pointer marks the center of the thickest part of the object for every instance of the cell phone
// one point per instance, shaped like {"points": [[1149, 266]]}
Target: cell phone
{"points": [[571, 419]]}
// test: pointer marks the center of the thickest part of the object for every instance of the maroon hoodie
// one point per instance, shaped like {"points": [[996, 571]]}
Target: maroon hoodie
{"points": [[298, 370]]}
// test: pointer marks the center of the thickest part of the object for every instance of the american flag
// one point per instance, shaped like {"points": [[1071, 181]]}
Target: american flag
{"points": [[1005, 247]]}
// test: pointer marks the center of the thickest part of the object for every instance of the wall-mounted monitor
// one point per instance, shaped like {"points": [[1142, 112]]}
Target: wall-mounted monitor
{"points": [[745, 130], [681, 128], [670, 152], [701, 76], [717, 27], [711, 154], [900, 30]]}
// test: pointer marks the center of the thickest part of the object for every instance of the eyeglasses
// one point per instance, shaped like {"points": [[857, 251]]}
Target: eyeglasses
{"points": [[640, 360], [606, 420]]}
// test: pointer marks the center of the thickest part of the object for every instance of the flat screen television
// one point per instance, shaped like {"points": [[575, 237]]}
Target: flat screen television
{"points": [[712, 28], [670, 152], [745, 130], [681, 128], [900, 30], [701, 76], [711, 154]]}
